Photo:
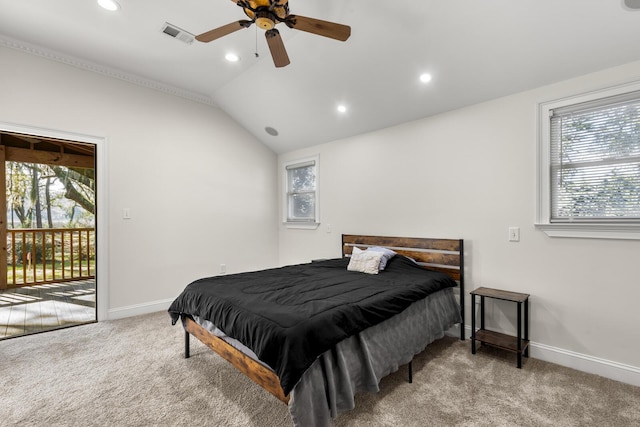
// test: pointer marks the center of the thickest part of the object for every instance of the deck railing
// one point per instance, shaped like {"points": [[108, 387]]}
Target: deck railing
{"points": [[47, 255]]}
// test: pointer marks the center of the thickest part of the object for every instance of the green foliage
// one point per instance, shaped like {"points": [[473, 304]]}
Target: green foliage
{"points": [[43, 196], [600, 158]]}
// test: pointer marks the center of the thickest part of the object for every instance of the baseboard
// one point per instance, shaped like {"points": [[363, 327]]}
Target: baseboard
{"points": [[593, 365], [138, 309]]}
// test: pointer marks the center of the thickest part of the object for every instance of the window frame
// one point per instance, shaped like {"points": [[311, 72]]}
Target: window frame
{"points": [[306, 225], [583, 228]]}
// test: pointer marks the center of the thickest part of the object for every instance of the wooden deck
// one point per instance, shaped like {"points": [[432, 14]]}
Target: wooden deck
{"points": [[39, 308]]}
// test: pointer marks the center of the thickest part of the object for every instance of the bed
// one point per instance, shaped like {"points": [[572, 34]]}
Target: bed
{"points": [[315, 334]]}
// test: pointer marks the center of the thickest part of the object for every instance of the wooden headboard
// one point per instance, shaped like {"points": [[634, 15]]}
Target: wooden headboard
{"points": [[445, 255]]}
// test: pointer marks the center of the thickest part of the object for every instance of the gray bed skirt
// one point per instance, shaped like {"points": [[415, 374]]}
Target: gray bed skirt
{"points": [[358, 363]]}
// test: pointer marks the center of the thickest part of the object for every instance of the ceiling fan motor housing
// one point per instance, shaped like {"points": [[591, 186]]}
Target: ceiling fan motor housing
{"points": [[266, 13]]}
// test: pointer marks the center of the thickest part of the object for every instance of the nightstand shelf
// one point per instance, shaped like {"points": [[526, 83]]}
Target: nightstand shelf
{"points": [[518, 343]]}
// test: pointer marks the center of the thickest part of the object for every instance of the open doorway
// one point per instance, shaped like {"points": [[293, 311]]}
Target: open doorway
{"points": [[48, 227]]}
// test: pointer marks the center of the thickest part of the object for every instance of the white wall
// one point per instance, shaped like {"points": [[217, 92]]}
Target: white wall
{"points": [[466, 174], [201, 190], [471, 174]]}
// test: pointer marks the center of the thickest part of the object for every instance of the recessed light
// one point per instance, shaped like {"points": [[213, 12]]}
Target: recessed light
{"points": [[425, 77], [342, 108], [111, 5], [232, 57]]}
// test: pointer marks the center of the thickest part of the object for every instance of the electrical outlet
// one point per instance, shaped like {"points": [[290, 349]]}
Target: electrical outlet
{"points": [[514, 234], [223, 268]]}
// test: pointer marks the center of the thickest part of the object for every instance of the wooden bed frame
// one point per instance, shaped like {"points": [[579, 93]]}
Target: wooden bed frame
{"points": [[445, 255]]}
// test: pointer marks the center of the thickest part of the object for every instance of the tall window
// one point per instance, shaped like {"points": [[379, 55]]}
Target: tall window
{"points": [[592, 158], [302, 192]]}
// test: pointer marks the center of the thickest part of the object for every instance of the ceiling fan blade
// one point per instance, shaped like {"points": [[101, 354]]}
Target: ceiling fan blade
{"points": [[276, 46], [223, 31], [319, 27]]}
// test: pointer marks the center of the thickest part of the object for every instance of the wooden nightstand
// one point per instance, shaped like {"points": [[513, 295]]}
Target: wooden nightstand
{"points": [[516, 344]]}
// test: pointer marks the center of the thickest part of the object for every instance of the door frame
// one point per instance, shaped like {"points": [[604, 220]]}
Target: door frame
{"points": [[102, 208]]}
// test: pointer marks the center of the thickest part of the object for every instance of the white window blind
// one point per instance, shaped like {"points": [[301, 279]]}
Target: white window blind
{"points": [[301, 192], [595, 160]]}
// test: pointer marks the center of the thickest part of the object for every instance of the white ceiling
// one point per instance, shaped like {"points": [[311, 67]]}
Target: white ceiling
{"points": [[476, 50]]}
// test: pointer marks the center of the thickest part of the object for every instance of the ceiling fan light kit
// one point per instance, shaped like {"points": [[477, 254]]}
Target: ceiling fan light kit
{"points": [[266, 14], [264, 20]]}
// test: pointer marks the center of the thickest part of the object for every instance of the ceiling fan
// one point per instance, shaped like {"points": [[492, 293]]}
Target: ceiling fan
{"points": [[267, 14]]}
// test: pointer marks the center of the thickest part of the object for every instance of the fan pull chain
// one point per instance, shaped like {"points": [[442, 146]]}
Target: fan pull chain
{"points": [[257, 55]]}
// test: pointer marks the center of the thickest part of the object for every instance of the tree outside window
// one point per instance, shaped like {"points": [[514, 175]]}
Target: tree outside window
{"points": [[596, 162], [588, 180], [44, 196], [302, 192]]}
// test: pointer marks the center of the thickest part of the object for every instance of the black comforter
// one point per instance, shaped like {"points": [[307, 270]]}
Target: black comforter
{"points": [[290, 315]]}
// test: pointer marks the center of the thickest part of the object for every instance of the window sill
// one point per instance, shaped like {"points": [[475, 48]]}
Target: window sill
{"points": [[302, 225], [592, 231]]}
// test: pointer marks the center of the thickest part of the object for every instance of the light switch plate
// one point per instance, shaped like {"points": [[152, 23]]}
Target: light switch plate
{"points": [[514, 234]]}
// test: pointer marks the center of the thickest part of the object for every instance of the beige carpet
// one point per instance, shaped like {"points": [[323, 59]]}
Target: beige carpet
{"points": [[132, 372]]}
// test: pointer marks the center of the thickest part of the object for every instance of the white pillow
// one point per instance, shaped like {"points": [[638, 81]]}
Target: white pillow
{"points": [[387, 254], [364, 261]]}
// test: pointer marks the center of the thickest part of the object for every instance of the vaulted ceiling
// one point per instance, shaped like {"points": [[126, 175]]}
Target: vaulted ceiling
{"points": [[474, 50]]}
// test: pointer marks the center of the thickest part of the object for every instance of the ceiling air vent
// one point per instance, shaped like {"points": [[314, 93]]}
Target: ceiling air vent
{"points": [[177, 33]]}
